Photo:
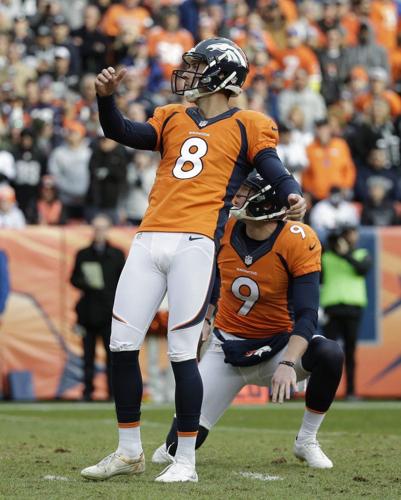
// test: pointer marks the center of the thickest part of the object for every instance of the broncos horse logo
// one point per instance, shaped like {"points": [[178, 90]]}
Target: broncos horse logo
{"points": [[230, 52]]}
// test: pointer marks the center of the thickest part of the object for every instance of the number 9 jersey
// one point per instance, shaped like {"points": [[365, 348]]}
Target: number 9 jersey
{"points": [[255, 291], [203, 162]]}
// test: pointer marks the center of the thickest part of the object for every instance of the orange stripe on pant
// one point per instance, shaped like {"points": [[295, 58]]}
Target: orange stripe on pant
{"points": [[128, 425], [187, 434], [315, 411]]}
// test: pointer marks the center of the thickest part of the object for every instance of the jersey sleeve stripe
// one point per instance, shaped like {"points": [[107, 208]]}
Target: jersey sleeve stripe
{"points": [[241, 169], [161, 147]]}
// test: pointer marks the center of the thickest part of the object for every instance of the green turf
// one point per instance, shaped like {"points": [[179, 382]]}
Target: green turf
{"points": [[363, 440]]}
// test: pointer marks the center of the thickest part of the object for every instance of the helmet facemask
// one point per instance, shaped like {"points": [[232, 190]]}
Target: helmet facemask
{"points": [[204, 82], [259, 206]]}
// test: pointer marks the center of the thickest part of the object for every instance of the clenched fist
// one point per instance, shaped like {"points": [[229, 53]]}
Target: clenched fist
{"points": [[108, 80]]}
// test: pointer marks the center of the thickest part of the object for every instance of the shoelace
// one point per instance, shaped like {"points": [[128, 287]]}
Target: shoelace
{"points": [[316, 445], [107, 459]]}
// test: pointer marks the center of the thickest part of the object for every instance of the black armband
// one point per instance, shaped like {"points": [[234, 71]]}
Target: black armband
{"points": [[287, 363]]}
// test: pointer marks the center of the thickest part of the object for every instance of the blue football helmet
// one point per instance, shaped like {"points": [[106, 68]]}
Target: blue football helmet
{"points": [[262, 202], [226, 68]]}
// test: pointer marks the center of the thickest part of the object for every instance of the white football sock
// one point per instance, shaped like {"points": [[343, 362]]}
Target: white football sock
{"points": [[310, 425], [186, 449], [129, 443]]}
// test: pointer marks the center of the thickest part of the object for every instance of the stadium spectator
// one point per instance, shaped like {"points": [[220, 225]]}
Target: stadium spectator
{"points": [[330, 163], [302, 96], [377, 166], [296, 56], [108, 172], [367, 52], [332, 212], [63, 80], [30, 166], [296, 122], [128, 12], [17, 69], [291, 152], [377, 128], [91, 42], [96, 271], [61, 38], [167, 43], [69, 165], [384, 17], [331, 60], [7, 167], [11, 217], [378, 80], [140, 177], [47, 210], [85, 108], [344, 295], [378, 209]]}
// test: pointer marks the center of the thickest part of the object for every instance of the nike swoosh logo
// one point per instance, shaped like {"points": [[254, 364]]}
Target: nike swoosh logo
{"points": [[311, 247], [191, 238]]}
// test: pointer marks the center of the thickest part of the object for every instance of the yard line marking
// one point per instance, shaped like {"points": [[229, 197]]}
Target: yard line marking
{"points": [[259, 477], [50, 477]]}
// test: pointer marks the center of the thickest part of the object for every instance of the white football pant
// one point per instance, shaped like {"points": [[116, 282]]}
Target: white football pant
{"points": [[181, 264], [222, 381]]}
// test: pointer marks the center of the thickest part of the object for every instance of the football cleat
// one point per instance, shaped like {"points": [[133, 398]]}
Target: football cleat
{"points": [[114, 465], [162, 456], [178, 472], [311, 453]]}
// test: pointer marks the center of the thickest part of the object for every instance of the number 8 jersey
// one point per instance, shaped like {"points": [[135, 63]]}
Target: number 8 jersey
{"points": [[255, 291], [203, 162]]}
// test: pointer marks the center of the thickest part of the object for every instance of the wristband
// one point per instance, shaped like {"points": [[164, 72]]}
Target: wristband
{"points": [[208, 320], [287, 363]]}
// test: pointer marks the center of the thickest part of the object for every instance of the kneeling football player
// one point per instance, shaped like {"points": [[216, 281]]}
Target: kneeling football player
{"points": [[269, 273]]}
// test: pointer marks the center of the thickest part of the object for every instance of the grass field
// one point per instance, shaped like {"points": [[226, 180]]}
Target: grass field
{"points": [[44, 446]]}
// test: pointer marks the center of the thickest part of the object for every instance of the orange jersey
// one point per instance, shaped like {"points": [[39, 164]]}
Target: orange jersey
{"points": [[364, 101], [292, 59], [266, 71], [329, 166], [395, 63], [203, 163], [118, 16], [255, 288], [383, 15], [168, 47]]}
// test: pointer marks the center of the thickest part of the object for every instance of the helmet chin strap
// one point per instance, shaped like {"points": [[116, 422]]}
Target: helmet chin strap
{"points": [[240, 214], [194, 95]]}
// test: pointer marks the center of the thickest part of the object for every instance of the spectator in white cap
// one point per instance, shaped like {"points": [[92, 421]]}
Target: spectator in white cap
{"points": [[11, 217]]}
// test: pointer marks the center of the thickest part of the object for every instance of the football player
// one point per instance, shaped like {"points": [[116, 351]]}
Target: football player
{"points": [[269, 272], [207, 150]]}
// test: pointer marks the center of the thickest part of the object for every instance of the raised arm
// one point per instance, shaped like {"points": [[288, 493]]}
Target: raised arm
{"points": [[133, 134]]}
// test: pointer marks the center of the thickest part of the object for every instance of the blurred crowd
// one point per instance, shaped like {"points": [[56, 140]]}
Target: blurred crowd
{"points": [[329, 73]]}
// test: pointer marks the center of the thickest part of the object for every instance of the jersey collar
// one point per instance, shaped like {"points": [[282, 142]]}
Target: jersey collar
{"points": [[249, 258], [202, 122]]}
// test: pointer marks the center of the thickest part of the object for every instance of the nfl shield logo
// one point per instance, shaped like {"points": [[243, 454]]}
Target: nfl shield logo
{"points": [[203, 123], [248, 260]]}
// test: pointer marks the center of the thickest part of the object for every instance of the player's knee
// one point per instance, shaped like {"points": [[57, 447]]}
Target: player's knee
{"points": [[330, 354], [324, 353], [125, 337]]}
